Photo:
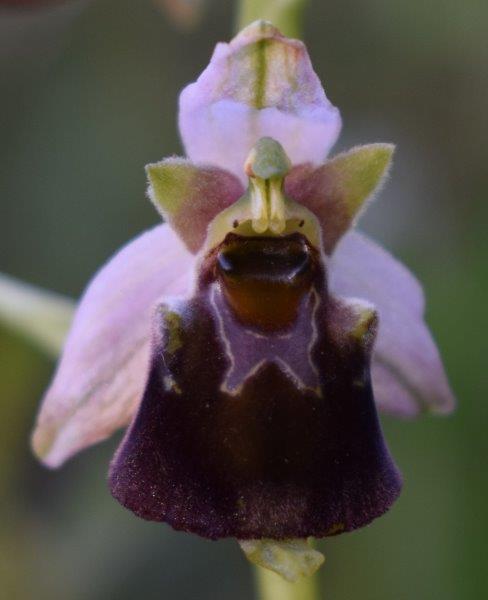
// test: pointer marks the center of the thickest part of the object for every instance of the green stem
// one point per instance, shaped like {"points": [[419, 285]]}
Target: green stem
{"points": [[271, 586], [287, 15]]}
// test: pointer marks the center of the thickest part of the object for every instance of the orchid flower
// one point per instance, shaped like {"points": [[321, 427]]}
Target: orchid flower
{"points": [[249, 340]]}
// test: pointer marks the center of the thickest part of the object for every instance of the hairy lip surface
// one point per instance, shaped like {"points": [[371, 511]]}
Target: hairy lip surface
{"points": [[254, 433]]}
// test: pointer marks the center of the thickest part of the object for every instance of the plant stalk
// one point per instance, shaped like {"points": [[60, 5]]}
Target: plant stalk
{"points": [[286, 15], [271, 586]]}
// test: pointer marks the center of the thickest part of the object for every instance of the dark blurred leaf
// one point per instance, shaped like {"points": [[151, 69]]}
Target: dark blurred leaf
{"points": [[34, 31]]}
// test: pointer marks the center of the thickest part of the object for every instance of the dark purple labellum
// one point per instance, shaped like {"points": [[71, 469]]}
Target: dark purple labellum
{"points": [[258, 418]]}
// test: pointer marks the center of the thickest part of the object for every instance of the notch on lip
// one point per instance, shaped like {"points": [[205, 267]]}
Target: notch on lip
{"points": [[264, 278]]}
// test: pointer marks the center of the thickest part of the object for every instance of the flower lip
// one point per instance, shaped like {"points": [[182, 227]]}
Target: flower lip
{"points": [[257, 434]]}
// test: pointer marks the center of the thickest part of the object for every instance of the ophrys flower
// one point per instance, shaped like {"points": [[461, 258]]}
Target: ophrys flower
{"points": [[252, 411]]}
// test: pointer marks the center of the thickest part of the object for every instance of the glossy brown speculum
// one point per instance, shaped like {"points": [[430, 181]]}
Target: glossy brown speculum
{"points": [[264, 278]]}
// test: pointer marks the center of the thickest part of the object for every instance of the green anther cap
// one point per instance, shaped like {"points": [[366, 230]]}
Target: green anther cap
{"points": [[267, 160]]}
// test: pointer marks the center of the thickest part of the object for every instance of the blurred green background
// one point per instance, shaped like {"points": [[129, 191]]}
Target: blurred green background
{"points": [[81, 113]]}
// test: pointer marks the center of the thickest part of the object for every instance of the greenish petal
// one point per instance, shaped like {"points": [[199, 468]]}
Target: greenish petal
{"points": [[338, 191], [189, 196], [357, 174]]}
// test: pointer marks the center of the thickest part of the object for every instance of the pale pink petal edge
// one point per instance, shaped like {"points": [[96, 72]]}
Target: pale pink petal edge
{"points": [[102, 371], [407, 370]]}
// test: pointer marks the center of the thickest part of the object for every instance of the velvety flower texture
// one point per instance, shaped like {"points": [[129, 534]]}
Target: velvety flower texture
{"points": [[251, 405]]}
